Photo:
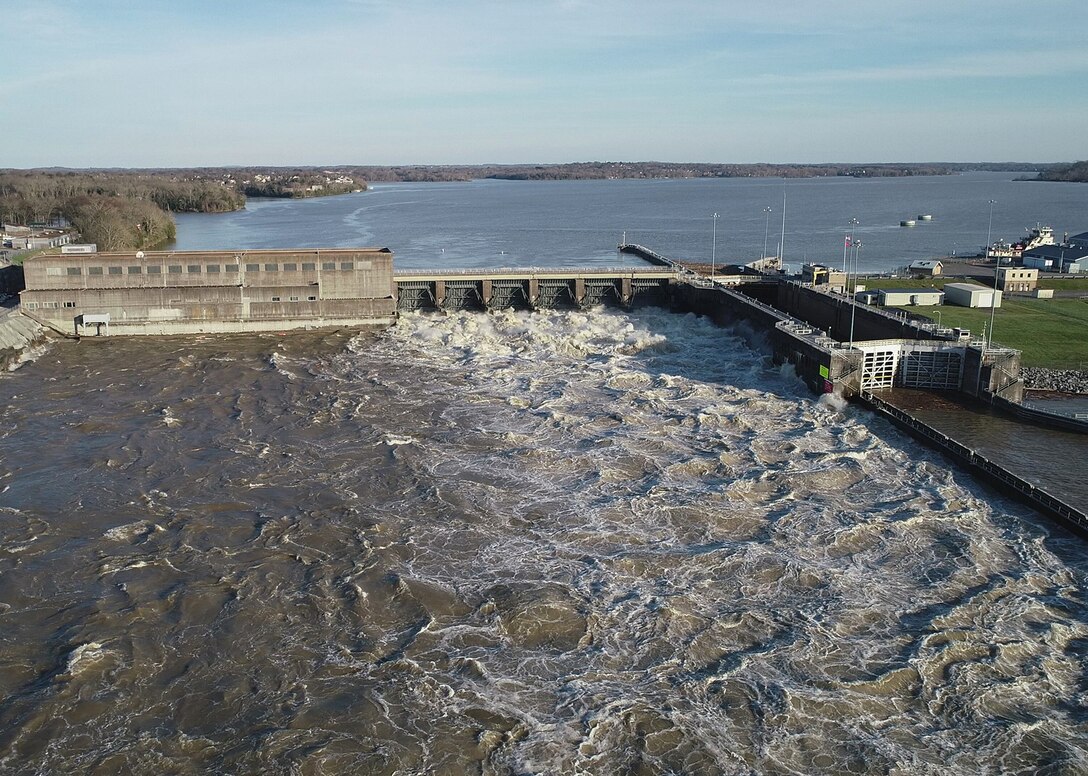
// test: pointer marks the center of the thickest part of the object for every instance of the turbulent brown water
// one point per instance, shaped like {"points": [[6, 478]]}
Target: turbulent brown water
{"points": [[509, 544]]}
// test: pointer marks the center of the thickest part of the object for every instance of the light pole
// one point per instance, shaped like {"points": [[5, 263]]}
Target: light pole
{"points": [[997, 265], [989, 229], [713, 244], [854, 293], [849, 237], [766, 230]]}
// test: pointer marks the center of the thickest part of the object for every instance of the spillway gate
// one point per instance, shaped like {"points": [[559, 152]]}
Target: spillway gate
{"points": [[533, 289]]}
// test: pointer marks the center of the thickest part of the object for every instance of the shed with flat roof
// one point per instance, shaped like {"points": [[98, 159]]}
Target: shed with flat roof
{"points": [[971, 295]]}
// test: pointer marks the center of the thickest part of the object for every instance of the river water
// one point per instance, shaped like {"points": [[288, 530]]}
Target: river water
{"points": [[560, 542], [575, 223]]}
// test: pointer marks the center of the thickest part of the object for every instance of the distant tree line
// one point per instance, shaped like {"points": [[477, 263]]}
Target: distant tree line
{"points": [[116, 210], [1077, 172], [116, 223], [608, 170]]}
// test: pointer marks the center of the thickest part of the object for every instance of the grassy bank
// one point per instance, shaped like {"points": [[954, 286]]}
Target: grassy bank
{"points": [[1051, 332], [1057, 284]]}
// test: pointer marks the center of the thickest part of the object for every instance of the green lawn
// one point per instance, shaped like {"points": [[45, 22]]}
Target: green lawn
{"points": [[1058, 284], [1050, 332], [875, 283], [1064, 284]]}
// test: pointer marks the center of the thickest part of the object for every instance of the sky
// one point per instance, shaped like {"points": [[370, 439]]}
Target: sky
{"points": [[103, 83]]}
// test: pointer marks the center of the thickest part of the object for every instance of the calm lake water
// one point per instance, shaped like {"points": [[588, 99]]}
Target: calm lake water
{"points": [[565, 223]]}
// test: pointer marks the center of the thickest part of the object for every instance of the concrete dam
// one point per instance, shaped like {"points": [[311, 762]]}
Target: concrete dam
{"points": [[532, 289], [834, 344]]}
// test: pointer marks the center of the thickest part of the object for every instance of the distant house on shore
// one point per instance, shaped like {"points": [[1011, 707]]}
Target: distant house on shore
{"points": [[926, 268]]}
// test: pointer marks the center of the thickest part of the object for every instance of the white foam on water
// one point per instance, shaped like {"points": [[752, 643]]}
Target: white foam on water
{"points": [[746, 539]]}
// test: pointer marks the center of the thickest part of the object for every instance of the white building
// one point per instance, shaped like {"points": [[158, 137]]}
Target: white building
{"points": [[79, 248], [902, 297], [971, 295]]}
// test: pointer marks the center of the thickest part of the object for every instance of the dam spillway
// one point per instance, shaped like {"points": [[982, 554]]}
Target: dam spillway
{"points": [[532, 289]]}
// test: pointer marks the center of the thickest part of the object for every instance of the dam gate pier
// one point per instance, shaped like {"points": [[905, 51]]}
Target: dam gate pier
{"points": [[532, 289]]}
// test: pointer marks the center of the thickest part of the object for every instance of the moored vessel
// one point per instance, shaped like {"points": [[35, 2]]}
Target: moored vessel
{"points": [[1040, 235]]}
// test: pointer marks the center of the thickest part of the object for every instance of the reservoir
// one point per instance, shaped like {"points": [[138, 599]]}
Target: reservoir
{"points": [[493, 223]]}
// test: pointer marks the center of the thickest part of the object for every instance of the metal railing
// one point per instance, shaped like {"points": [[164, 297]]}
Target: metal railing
{"points": [[1035, 495]]}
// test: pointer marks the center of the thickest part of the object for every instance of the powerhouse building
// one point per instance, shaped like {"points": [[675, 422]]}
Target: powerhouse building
{"points": [[163, 292]]}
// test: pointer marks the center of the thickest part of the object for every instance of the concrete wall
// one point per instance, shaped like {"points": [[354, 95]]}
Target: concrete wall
{"points": [[992, 373], [832, 314], [823, 368], [212, 290]]}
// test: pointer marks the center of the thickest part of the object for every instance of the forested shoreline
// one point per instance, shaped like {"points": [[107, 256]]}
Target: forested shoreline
{"points": [[1077, 172], [120, 210]]}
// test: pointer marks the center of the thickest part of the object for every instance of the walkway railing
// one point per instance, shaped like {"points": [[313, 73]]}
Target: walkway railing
{"points": [[1074, 518]]}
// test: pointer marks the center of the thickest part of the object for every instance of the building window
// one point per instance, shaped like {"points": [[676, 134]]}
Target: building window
{"points": [[194, 269], [347, 265], [328, 265], [253, 268], [32, 305], [292, 299], [75, 271], [94, 270], [154, 269], [290, 268], [69, 304], [212, 268], [311, 299], [231, 268], [50, 305], [275, 299], [135, 270], [308, 266], [174, 269], [271, 268], [116, 270], [53, 271]]}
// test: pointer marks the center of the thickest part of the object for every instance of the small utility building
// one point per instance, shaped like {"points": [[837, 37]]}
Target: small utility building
{"points": [[903, 297], [1017, 278], [819, 275], [971, 295], [926, 268]]}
